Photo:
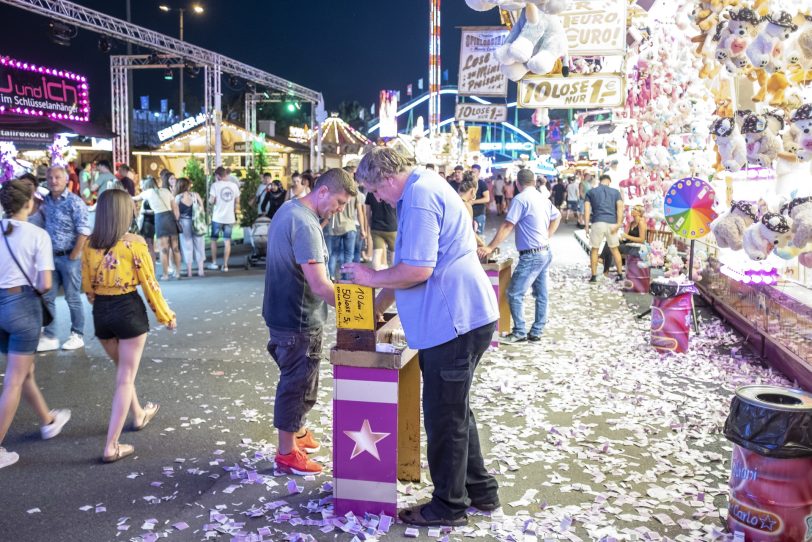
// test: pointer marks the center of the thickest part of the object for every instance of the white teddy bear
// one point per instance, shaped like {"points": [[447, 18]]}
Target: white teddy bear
{"points": [[731, 143], [534, 44], [760, 239]]}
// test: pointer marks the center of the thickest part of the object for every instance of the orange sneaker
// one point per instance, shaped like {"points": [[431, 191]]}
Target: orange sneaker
{"points": [[297, 462], [308, 443]]}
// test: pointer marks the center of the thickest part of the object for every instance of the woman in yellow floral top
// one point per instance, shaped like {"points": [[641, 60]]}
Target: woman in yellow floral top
{"points": [[113, 264]]}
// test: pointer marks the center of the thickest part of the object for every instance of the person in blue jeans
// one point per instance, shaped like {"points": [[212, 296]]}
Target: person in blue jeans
{"points": [[67, 225], [341, 233], [534, 219]]}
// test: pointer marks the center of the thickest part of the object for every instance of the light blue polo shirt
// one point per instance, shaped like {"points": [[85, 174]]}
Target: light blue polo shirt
{"points": [[434, 230], [532, 214]]}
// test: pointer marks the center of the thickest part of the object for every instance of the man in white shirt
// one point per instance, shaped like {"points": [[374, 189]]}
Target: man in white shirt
{"points": [[224, 195]]}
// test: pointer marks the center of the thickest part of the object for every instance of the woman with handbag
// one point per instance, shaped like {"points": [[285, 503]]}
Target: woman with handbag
{"points": [[114, 263], [27, 255], [193, 224], [166, 223]]}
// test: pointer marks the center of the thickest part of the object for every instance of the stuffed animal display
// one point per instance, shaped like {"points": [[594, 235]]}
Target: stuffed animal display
{"points": [[730, 143], [729, 228], [761, 135], [801, 132]]}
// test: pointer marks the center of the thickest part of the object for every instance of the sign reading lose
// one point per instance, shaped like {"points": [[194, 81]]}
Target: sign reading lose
{"points": [[479, 70], [480, 113], [595, 27], [575, 91]]}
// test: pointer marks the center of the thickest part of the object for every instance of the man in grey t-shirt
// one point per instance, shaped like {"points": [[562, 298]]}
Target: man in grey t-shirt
{"points": [[297, 289]]}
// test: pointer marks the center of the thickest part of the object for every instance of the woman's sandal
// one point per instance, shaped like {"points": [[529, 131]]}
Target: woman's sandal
{"points": [[414, 516], [122, 451], [150, 410]]}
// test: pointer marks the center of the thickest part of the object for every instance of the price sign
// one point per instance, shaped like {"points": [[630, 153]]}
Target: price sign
{"points": [[595, 27], [355, 307], [575, 91], [473, 112]]}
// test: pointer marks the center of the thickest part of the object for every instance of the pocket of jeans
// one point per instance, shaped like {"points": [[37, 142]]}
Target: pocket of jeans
{"points": [[455, 382], [279, 342], [314, 347]]}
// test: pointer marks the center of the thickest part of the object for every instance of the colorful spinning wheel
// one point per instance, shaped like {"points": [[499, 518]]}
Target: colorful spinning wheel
{"points": [[688, 207]]}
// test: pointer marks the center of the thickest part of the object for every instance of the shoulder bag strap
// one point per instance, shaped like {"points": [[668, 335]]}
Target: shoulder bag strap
{"points": [[13, 257]]}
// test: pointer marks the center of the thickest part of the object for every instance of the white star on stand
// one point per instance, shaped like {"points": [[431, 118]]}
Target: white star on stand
{"points": [[366, 441]]}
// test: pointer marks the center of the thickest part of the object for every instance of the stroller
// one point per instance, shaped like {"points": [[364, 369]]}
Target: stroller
{"points": [[259, 242]]}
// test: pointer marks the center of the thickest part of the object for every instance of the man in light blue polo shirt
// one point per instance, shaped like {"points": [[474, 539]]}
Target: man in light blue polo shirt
{"points": [[448, 310], [535, 220]]}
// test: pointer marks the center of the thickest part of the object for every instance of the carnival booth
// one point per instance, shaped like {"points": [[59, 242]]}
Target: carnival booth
{"points": [[284, 158]]}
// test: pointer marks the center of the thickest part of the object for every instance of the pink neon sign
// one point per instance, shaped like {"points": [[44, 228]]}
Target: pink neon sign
{"points": [[38, 91]]}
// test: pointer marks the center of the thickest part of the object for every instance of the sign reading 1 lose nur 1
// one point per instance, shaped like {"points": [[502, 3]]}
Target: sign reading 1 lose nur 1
{"points": [[575, 91], [595, 27], [480, 112]]}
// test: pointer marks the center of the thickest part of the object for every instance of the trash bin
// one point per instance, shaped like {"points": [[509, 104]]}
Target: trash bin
{"points": [[671, 309], [771, 469], [638, 279]]}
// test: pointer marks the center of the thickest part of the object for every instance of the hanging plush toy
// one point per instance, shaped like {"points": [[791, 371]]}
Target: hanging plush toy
{"points": [[761, 134], [534, 44], [801, 131], [798, 53], [772, 231], [800, 212], [730, 143], [734, 36], [765, 51], [729, 228]]}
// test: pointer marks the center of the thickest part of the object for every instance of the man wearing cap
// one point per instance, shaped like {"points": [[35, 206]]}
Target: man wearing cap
{"points": [[448, 310], [535, 219]]}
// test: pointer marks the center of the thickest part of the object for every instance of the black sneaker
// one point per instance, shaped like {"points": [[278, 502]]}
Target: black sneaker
{"points": [[534, 338], [512, 339], [486, 506], [593, 278], [619, 278]]}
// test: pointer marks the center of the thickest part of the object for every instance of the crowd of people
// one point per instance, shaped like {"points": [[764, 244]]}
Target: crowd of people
{"points": [[385, 223]]}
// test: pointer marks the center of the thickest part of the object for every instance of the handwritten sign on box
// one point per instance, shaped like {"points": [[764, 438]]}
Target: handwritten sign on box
{"points": [[355, 307]]}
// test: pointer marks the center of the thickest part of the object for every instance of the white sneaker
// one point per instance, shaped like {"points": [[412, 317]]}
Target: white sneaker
{"points": [[212, 267], [8, 458], [46, 344], [74, 342], [61, 417]]}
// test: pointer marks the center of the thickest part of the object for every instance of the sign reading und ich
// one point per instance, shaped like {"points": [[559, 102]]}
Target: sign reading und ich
{"points": [[28, 89]]}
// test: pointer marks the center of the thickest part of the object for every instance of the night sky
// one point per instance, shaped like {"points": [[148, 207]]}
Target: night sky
{"points": [[346, 50]]}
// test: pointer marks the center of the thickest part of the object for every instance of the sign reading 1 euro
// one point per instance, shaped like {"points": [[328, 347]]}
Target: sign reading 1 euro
{"points": [[479, 70], [595, 27], [575, 91]]}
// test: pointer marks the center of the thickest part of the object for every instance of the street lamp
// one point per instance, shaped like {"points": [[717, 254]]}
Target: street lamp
{"points": [[196, 8]]}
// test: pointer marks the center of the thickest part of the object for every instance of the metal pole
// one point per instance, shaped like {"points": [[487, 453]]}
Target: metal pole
{"points": [[130, 90], [182, 105]]}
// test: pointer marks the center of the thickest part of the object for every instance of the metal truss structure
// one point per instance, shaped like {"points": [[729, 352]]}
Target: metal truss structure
{"points": [[214, 64]]}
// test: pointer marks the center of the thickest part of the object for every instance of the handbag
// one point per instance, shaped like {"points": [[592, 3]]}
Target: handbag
{"points": [[199, 226], [47, 316]]}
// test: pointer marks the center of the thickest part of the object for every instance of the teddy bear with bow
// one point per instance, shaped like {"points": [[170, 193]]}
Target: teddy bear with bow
{"points": [[799, 211], [801, 130], [729, 228], [771, 232]]}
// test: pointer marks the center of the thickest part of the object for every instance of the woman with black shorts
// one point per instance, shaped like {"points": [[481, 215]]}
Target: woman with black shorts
{"points": [[113, 264]]}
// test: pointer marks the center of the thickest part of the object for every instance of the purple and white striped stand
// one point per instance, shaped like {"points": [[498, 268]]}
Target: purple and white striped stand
{"points": [[376, 427], [500, 273]]}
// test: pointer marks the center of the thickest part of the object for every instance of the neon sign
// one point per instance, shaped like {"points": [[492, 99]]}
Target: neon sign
{"points": [[37, 91]]}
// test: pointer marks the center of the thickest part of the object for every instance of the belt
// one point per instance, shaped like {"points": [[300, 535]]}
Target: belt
{"points": [[532, 251], [15, 289], [60, 253]]}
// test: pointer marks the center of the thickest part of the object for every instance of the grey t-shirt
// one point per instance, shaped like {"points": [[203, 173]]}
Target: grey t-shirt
{"points": [[294, 239]]}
